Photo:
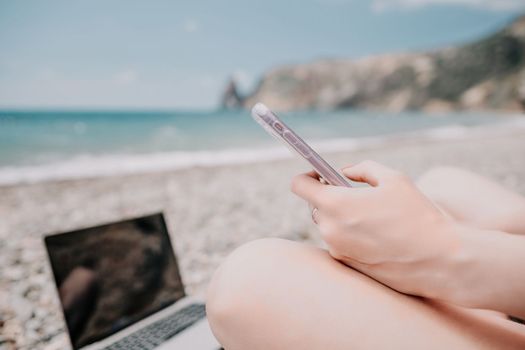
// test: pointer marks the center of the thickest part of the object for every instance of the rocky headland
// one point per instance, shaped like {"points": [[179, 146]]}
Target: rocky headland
{"points": [[488, 74]]}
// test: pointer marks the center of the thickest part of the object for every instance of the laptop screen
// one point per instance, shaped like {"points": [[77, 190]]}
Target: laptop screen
{"points": [[109, 277]]}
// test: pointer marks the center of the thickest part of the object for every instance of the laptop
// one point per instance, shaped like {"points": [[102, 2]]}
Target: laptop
{"points": [[120, 287]]}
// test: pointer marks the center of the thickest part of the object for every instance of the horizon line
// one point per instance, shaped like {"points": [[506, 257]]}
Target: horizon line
{"points": [[105, 109]]}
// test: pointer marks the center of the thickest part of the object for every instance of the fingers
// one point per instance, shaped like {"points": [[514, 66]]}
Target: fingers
{"points": [[308, 187], [369, 172]]}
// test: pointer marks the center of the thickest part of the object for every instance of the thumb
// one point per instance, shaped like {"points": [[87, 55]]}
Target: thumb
{"points": [[369, 172]]}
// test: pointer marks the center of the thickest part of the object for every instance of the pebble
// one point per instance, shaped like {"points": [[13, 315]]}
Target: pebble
{"points": [[206, 221]]}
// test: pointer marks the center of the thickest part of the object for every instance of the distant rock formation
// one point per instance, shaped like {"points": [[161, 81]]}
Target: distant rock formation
{"points": [[231, 99], [487, 74]]}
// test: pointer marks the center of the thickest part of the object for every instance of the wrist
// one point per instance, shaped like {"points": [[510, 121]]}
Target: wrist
{"points": [[444, 278], [468, 274], [455, 266], [482, 270]]}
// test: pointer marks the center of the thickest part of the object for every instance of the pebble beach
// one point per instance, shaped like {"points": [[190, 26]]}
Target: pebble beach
{"points": [[209, 210]]}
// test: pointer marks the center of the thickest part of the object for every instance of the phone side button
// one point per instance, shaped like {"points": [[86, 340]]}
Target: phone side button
{"points": [[303, 149], [288, 136]]}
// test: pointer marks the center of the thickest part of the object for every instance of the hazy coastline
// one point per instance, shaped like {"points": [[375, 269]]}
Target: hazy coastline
{"points": [[114, 111], [485, 74], [85, 166]]}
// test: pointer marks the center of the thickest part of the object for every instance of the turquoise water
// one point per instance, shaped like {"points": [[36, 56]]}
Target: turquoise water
{"points": [[32, 138]]}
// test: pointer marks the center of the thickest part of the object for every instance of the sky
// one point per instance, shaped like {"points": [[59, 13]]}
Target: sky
{"points": [[112, 54]]}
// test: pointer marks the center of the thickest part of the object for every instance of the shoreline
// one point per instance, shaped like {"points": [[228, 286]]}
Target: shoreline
{"points": [[89, 166]]}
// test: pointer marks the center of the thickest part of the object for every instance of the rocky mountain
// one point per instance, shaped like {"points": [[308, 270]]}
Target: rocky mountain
{"points": [[231, 98], [486, 74]]}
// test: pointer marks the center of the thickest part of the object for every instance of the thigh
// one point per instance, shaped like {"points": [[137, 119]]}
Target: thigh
{"points": [[474, 199], [276, 294]]}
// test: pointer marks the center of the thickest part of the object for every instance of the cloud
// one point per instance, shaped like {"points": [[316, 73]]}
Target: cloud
{"points": [[190, 25], [491, 5], [126, 77]]}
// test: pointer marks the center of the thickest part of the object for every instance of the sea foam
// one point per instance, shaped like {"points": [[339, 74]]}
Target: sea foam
{"points": [[89, 166]]}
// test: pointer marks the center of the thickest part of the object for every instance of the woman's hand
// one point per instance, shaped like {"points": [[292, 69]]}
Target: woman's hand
{"points": [[388, 230], [391, 232]]}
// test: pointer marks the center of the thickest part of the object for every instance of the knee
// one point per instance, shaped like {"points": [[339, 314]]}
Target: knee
{"points": [[441, 174], [242, 284], [442, 182], [248, 265]]}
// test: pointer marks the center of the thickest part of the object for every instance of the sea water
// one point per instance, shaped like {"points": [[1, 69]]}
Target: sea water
{"points": [[38, 145]]}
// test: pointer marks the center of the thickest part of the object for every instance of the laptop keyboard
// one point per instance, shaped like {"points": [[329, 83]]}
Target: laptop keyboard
{"points": [[158, 332]]}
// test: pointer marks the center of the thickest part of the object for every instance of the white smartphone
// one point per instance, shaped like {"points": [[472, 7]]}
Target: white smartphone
{"points": [[271, 123]]}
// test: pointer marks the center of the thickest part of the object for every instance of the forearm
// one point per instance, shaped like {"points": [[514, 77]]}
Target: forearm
{"points": [[486, 271]]}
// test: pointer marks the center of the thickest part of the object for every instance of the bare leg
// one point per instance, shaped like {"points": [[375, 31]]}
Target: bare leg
{"points": [[475, 200], [276, 294]]}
